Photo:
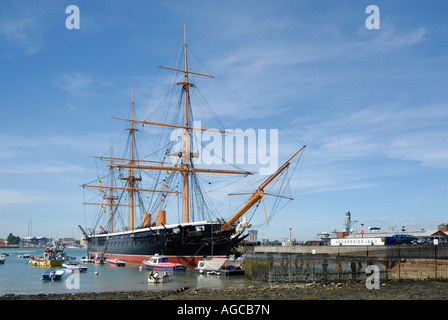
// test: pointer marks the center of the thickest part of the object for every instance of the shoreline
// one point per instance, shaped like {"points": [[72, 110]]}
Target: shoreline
{"points": [[388, 290]]}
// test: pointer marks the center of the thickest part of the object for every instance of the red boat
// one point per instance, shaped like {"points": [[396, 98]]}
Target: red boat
{"points": [[116, 262]]}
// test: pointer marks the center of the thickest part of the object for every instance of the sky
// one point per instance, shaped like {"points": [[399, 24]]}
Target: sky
{"points": [[370, 104]]}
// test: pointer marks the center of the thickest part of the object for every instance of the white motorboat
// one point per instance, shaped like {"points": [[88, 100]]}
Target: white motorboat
{"points": [[217, 266], [73, 266], [156, 276], [157, 262]]}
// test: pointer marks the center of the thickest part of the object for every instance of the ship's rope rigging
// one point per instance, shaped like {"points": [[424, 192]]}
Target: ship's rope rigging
{"points": [[204, 204], [248, 111], [206, 207]]}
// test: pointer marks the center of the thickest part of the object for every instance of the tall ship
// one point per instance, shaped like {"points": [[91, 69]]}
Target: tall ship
{"points": [[136, 195]]}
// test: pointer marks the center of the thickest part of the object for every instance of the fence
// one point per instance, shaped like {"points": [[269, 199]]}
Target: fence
{"points": [[345, 265]]}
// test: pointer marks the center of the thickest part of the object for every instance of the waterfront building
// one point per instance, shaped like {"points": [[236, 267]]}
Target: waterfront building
{"points": [[36, 241], [417, 234]]}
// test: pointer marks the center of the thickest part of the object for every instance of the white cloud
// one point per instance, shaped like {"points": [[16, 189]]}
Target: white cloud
{"points": [[429, 149], [59, 156], [390, 38], [378, 129], [9, 196], [11, 145], [42, 169], [76, 83], [373, 144], [22, 32]]}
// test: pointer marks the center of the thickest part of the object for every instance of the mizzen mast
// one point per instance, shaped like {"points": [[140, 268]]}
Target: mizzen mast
{"points": [[111, 198]]}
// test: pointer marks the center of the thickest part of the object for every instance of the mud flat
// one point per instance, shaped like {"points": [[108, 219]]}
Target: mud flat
{"points": [[390, 290]]}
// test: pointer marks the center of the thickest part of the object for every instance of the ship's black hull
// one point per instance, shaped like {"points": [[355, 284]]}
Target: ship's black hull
{"points": [[184, 242]]}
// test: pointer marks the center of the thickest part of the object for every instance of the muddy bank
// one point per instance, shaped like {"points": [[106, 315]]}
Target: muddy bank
{"points": [[391, 290]]}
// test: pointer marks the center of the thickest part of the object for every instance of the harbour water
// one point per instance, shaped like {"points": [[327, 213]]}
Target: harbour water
{"points": [[19, 277]]}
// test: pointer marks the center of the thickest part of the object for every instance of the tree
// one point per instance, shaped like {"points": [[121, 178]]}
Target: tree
{"points": [[13, 239]]}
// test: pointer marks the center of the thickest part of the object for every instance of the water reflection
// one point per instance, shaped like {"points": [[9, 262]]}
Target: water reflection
{"points": [[19, 277]]}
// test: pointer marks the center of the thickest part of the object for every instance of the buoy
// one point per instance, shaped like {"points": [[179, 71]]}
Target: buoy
{"points": [[95, 273]]}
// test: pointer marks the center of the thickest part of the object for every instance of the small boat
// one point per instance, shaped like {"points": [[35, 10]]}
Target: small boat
{"points": [[73, 266], [25, 256], [157, 262], [87, 258], [67, 258], [116, 262], [51, 257], [2, 259], [53, 275], [218, 266], [99, 258], [156, 276], [43, 261]]}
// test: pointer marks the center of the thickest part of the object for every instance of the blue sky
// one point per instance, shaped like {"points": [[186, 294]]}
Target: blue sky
{"points": [[371, 105]]}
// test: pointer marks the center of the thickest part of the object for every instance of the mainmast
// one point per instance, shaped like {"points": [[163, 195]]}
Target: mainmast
{"points": [[186, 155], [186, 137], [131, 179], [186, 169]]}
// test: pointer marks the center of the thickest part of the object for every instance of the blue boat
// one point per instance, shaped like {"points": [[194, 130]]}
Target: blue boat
{"points": [[2, 258], [53, 274]]}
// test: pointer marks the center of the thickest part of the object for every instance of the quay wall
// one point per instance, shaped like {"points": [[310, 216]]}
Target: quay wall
{"points": [[345, 263], [395, 251]]}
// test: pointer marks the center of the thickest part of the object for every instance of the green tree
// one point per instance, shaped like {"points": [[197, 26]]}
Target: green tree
{"points": [[13, 239]]}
